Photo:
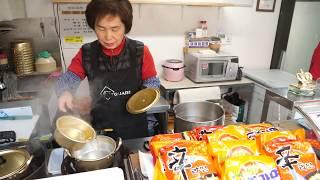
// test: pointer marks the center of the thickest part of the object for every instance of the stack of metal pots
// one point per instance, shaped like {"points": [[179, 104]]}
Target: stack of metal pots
{"points": [[88, 151], [23, 58]]}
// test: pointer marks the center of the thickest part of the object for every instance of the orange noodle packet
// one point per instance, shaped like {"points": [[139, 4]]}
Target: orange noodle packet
{"points": [[250, 168], [223, 150], [187, 160], [315, 143], [167, 137], [158, 172], [295, 159], [279, 136], [227, 133], [161, 140], [254, 129], [201, 132]]}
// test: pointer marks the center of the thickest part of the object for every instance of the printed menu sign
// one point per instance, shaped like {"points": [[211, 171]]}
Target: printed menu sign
{"points": [[73, 28]]}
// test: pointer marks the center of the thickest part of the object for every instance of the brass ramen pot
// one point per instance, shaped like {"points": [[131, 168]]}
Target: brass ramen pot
{"points": [[143, 100], [14, 163], [73, 133]]}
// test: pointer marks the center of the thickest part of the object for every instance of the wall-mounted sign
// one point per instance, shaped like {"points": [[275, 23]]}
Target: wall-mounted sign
{"points": [[74, 30], [266, 5]]}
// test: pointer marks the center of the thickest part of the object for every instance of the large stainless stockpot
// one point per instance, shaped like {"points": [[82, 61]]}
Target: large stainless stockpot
{"points": [[189, 115]]}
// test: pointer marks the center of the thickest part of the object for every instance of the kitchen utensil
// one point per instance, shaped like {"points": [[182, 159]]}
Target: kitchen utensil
{"points": [[73, 133], [96, 154], [142, 100], [173, 70], [304, 77], [13, 163], [189, 115]]}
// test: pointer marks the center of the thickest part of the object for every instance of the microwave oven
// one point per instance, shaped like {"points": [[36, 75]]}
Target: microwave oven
{"points": [[210, 68]]}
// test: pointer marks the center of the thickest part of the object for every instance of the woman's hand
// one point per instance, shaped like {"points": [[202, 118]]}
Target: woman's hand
{"points": [[65, 101]]}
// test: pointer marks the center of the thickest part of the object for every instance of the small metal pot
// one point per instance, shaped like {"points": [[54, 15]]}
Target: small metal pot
{"points": [[73, 133], [14, 163], [193, 114], [97, 154]]}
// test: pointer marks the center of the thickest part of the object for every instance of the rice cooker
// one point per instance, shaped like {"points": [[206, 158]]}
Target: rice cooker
{"points": [[173, 70]]}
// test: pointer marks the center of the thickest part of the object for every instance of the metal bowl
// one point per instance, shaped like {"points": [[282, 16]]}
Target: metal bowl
{"points": [[73, 133]]}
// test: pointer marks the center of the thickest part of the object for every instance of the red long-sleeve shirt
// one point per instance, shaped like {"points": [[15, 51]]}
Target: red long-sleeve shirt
{"points": [[315, 63], [148, 68]]}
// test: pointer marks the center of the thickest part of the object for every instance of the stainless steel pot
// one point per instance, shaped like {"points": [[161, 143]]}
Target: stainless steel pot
{"points": [[193, 114], [96, 154]]}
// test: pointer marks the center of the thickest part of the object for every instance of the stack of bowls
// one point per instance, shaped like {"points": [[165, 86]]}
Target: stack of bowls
{"points": [[22, 57]]}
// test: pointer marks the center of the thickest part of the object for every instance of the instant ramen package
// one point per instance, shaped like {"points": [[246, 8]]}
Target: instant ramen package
{"points": [[200, 133], [294, 159], [250, 168], [227, 133], [223, 150], [187, 160], [279, 136], [159, 171], [252, 130], [161, 140]]}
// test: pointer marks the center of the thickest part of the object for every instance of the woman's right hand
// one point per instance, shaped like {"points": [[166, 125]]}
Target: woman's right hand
{"points": [[65, 101]]}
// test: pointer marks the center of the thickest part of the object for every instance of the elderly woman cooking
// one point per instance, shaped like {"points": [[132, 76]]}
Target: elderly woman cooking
{"points": [[116, 67]]}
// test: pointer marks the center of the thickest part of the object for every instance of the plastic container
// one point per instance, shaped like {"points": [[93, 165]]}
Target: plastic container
{"points": [[173, 70], [45, 62]]}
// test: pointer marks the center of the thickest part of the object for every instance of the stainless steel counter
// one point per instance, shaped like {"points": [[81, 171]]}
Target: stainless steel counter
{"points": [[160, 107], [283, 97]]}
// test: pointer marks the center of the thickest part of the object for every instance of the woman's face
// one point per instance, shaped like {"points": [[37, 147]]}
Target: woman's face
{"points": [[110, 31]]}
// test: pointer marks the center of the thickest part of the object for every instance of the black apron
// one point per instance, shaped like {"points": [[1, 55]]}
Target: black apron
{"points": [[112, 81]]}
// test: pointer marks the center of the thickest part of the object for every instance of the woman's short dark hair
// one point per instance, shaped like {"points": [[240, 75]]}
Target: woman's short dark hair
{"points": [[97, 9]]}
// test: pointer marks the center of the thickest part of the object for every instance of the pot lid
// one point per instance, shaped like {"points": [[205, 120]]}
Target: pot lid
{"points": [[12, 161], [175, 61], [143, 100]]}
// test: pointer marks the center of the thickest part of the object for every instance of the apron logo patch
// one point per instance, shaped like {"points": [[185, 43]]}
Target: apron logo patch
{"points": [[108, 93]]}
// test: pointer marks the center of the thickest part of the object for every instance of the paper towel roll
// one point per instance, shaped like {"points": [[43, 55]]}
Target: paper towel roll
{"points": [[196, 94]]}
